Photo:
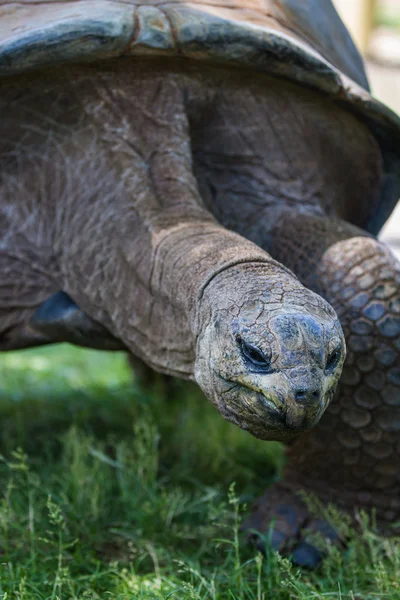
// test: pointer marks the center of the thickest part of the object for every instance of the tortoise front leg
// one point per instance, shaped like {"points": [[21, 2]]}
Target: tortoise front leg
{"points": [[123, 232], [23, 287], [352, 457]]}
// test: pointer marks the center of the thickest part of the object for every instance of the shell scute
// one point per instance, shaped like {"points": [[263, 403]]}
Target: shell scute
{"points": [[152, 30]]}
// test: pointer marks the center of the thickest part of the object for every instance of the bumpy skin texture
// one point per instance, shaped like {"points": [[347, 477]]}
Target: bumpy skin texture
{"points": [[121, 207], [361, 278], [292, 329], [352, 458], [298, 197], [99, 200]]}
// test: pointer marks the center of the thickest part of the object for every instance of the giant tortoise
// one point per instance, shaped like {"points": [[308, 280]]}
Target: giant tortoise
{"points": [[194, 182]]}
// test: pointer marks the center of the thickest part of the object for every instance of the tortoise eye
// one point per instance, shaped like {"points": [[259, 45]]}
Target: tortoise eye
{"points": [[333, 360], [254, 356]]}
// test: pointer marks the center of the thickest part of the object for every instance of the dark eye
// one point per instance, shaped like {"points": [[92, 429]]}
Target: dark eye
{"points": [[254, 356], [333, 360]]}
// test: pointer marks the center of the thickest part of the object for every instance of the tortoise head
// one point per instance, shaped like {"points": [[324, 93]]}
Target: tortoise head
{"points": [[269, 355]]}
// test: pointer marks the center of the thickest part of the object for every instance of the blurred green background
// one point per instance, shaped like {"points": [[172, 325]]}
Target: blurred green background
{"points": [[109, 490]]}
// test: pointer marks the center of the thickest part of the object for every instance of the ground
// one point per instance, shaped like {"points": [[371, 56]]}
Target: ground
{"points": [[109, 491]]}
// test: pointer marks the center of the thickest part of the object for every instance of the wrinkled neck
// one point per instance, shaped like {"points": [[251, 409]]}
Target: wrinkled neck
{"points": [[145, 279], [194, 259], [246, 282]]}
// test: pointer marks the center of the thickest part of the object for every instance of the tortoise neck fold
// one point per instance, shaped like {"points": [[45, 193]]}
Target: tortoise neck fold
{"points": [[188, 256]]}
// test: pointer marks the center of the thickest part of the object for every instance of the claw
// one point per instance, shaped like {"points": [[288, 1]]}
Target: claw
{"points": [[306, 555], [283, 518]]}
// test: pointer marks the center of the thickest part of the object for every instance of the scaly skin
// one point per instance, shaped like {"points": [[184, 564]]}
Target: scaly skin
{"points": [[126, 225], [306, 169], [99, 200], [352, 458], [288, 325]]}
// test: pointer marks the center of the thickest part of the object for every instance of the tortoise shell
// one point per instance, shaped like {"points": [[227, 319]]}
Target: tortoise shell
{"points": [[301, 40]]}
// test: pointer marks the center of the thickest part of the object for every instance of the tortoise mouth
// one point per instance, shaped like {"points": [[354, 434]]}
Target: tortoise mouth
{"points": [[264, 418]]}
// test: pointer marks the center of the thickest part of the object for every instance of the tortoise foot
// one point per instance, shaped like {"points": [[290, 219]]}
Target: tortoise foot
{"points": [[281, 520]]}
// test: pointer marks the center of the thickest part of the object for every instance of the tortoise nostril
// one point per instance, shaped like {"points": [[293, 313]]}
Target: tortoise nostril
{"points": [[304, 395]]}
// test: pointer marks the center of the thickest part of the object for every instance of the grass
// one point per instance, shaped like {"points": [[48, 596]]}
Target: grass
{"points": [[110, 492]]}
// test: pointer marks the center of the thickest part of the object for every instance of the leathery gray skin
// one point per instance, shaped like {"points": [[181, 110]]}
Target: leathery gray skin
{"points": [[121, 185], [103, 205], [270, 361], [131, 213], [309, 178]]}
